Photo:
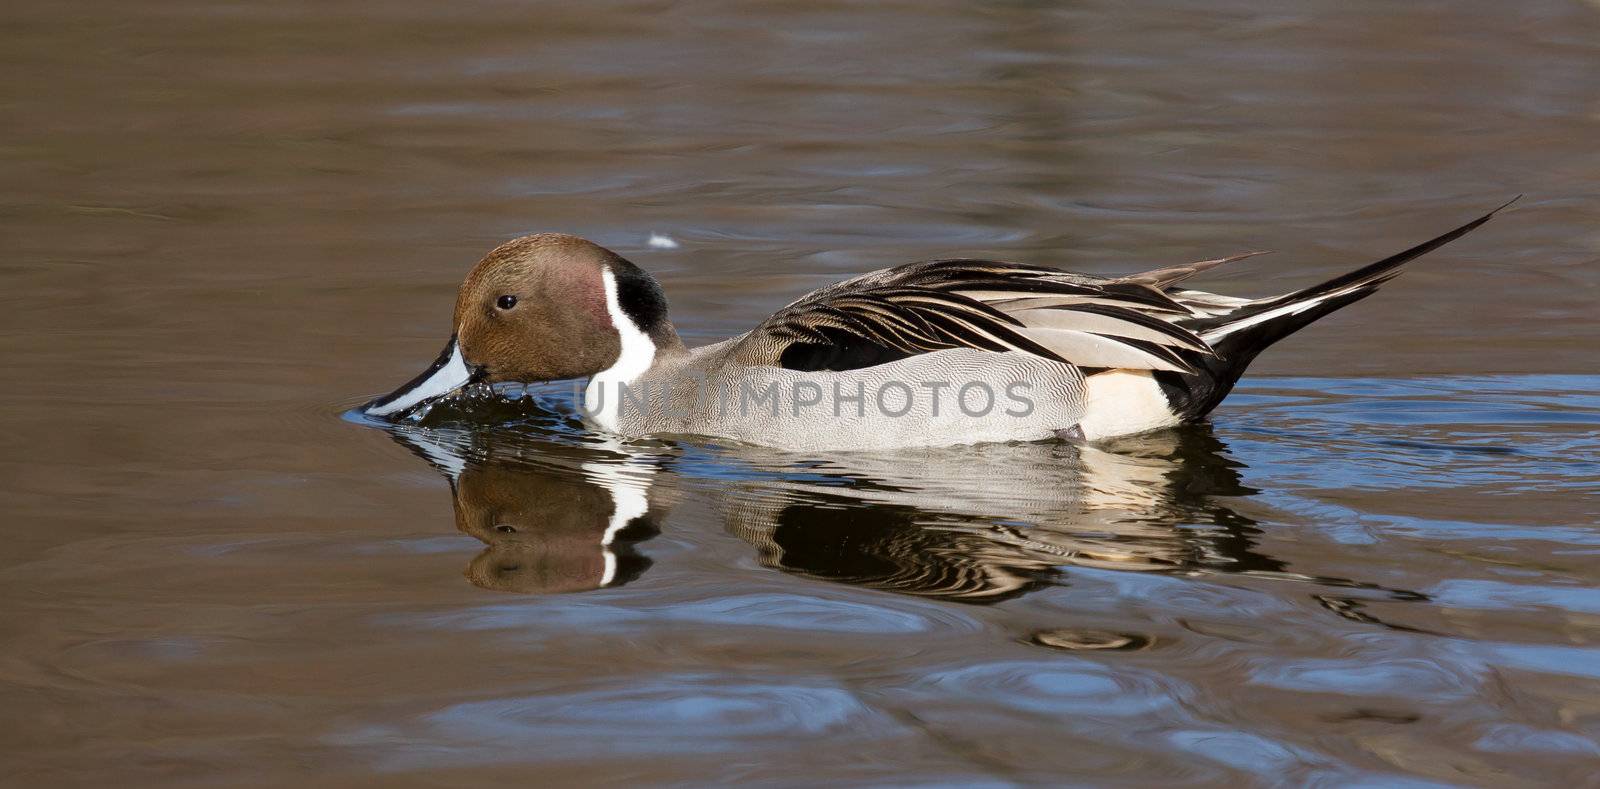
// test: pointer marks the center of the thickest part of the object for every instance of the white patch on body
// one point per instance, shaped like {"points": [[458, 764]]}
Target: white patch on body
{"points": [[659, 241], [452, 376], [601, 398], [1123, 402]]}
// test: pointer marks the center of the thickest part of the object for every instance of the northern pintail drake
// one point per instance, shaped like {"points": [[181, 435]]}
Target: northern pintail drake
{"points": [[935, 353]]}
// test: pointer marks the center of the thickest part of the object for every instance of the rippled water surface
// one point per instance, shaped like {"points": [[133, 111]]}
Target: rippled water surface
{"points": [[222, 224]]}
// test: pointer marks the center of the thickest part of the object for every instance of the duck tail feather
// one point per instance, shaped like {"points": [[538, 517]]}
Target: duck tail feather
{"points": [[1384, 269], [1241, 335]]}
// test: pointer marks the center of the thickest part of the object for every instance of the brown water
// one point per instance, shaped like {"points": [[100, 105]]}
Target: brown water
{"points": [[221, 224]]}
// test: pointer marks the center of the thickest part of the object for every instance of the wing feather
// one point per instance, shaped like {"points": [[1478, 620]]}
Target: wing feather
{"points": [[1002, 307], [1114, 322], [1087, 349], [1167, 277]]}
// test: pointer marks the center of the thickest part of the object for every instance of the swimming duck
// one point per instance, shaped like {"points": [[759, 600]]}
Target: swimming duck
{"points": [[940, 352]]}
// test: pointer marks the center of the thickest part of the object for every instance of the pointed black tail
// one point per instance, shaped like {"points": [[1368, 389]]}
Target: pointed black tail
{"points": [[1241, 335]]}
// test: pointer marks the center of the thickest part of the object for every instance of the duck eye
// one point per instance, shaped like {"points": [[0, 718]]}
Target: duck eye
{"points": [[504, 528], [506, 302]]}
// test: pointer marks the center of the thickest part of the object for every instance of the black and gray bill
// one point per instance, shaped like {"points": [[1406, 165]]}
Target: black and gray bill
{"points": [[447, 375]]}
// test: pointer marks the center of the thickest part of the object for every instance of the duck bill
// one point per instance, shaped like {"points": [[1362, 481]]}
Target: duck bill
{"points": [[448, 374]]}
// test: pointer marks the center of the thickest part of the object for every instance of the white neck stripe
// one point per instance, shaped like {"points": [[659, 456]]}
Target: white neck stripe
{"points": [[638, 353]]}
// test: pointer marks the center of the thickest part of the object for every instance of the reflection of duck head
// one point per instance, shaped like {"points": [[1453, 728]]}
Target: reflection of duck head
{"points": [[548, 526], [984, 524]]}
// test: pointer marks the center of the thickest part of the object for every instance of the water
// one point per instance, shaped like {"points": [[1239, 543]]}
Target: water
{"points": [[223, 224]]}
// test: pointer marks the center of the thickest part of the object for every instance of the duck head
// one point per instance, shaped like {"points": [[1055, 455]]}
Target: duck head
{"points": [[544, 307]]}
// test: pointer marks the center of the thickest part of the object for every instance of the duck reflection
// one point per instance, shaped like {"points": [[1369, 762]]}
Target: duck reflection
{"points": [[547, 525], [968, 524], [983, 524]]}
